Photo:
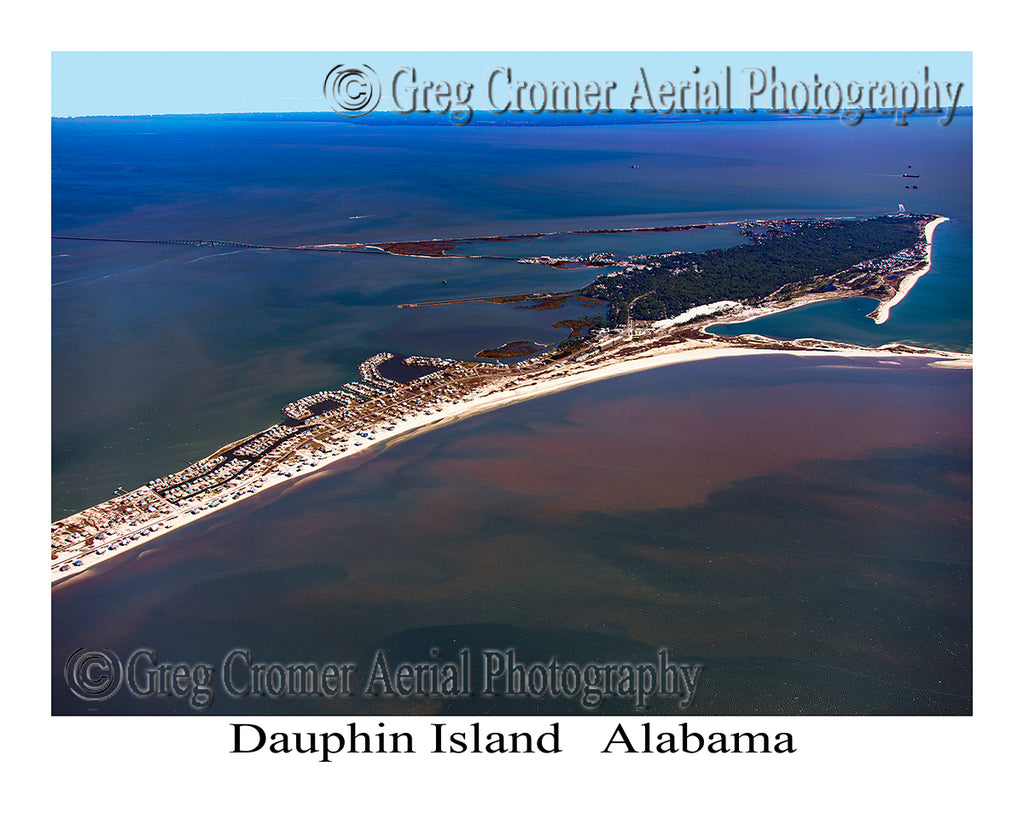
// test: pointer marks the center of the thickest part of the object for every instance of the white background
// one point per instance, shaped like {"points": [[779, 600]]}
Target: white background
{"points": [[844, 767]]}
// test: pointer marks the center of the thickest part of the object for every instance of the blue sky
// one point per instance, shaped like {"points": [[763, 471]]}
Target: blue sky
{"points": [[130, 83]]}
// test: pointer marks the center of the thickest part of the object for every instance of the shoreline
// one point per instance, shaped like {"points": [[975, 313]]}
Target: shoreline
{"points": [[881, 313], [513, 388]]}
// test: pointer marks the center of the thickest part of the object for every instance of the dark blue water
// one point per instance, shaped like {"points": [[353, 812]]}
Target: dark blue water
{"points": [[476, 534]]}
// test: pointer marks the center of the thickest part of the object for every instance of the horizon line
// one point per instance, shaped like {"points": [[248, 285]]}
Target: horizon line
{"points": [[529, 114]]}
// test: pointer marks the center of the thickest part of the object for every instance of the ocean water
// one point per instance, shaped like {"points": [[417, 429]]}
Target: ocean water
{"points": [[799, 527]]}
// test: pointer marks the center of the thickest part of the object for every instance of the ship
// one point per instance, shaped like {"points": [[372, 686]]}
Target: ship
{"points": [[908, 175]]}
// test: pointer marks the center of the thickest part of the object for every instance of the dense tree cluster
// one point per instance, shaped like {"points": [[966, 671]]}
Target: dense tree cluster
{"points": [[802, 255]]}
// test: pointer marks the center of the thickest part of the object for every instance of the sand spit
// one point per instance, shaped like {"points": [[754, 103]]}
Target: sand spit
{"points": [[881, 315]]}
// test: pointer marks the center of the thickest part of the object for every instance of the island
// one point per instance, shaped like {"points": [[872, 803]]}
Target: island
{"points": [[658, 308]]}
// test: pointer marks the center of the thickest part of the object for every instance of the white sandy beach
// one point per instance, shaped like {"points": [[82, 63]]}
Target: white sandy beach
{"points": [[503, 392], [881, 315]]}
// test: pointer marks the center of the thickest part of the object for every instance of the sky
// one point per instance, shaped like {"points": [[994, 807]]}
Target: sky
{"points": [[101, 83]]}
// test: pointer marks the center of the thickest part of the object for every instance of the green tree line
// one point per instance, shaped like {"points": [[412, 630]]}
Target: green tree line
{"points": [[801, 255]]}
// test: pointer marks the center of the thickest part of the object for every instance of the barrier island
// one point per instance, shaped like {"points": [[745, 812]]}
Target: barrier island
{"points": [[658, 308]]}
